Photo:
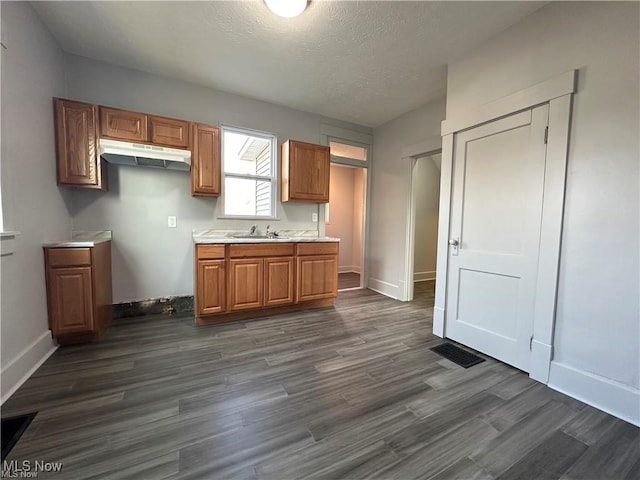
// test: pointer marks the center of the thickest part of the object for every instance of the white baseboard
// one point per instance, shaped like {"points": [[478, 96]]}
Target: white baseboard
{"points": [[438, 321], [424, 276], [349, 269], [602, 393], [18, 370], [540, 360], [385, 288]]}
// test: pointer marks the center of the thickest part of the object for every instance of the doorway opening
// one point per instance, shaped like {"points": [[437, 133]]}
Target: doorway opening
{"points": [[423, 224], [344, 219]]}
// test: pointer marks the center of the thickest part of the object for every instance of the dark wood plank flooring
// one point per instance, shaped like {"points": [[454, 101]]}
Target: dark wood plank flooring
{"points": [[348, 280], [347, 392]]}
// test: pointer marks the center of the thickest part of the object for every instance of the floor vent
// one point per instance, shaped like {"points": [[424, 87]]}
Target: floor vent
{"points": [[457, 355], [12, 430]]}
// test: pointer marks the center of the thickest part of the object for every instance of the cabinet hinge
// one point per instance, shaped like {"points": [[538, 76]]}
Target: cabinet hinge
{"points": [[531, 343], [546, 134]]}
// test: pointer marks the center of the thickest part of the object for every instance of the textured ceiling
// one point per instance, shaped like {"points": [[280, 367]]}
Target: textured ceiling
{"points": [[361, 61]]}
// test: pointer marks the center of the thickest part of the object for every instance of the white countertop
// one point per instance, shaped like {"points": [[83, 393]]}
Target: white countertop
{"points": [[288, 236], [82, 239]]}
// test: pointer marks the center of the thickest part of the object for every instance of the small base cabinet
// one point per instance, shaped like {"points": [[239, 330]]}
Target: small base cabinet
{"points": [[79, 294], [245, 283], [210, 279], [278, 281], [317, 271], [263, 279]]}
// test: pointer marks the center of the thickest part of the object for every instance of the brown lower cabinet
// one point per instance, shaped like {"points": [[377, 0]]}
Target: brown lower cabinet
{"points": [[246, 283], [263, 279], [278, 281], [79, 295]]}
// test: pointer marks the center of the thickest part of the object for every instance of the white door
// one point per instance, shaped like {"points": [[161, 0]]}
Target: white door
{"points": [[496, 212]]}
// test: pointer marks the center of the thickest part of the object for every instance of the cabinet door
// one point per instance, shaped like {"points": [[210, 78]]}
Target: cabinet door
{"points": [[76, 142], [71, 300], [278, 281], [210, 287], [205, 161], [308, 174], [317, 277], [245, 283], [169, 132], [123, 124]]}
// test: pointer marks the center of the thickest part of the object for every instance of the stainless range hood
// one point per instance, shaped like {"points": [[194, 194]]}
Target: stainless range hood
{"points": [[137, 154]]}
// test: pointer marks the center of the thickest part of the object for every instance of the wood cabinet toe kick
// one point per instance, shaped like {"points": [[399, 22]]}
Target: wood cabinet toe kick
{"points": [[243, 281]]}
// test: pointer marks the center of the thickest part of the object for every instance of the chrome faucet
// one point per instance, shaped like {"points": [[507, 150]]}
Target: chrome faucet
{"points": [[253, 230], [269, 232]]}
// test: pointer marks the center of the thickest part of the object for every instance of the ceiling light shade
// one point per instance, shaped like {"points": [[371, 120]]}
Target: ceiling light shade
{"points": [[286, 8]]}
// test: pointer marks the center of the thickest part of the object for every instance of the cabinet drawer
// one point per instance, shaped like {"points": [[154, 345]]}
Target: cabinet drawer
{"points": [[68, 257], [260, 250], [317, 248], [209, 251]]}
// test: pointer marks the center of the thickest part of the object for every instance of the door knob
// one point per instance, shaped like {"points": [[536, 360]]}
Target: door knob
{"points": [[453, 242]]}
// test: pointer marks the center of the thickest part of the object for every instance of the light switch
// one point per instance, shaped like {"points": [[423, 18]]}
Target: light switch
{"points": [[172, 221], [314, 217]]}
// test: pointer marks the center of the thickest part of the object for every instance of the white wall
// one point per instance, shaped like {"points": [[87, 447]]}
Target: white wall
{"points": [[596, 346], [427, 191], [390, 193], [150, 260], [341, 210], [32, 73]]}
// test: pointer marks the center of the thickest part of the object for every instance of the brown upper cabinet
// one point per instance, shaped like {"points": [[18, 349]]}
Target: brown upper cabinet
{"points": [[169, 132], [123, 124], [205, 161], [305, 172], [78, 163], [80, 125]]}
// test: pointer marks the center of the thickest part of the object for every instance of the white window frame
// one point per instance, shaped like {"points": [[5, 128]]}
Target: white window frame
{"points": [[349, 160], [273, 178]]}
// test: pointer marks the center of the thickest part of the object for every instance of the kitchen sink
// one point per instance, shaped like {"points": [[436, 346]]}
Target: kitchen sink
{"points": [[258, 237]]}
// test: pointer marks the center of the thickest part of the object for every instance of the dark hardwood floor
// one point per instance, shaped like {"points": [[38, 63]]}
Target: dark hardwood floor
{"points": [[351, 392], [348, 280]]}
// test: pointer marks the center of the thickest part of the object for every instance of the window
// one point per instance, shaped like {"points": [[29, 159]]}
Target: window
{"points": [[348, 151], [249, 173]]}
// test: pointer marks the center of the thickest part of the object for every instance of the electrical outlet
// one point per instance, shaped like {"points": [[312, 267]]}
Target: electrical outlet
{"points": [[314, 217], [172, 221]]}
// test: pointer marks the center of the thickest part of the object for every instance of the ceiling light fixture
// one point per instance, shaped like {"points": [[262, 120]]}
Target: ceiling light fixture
{"points": [[286, 8]]}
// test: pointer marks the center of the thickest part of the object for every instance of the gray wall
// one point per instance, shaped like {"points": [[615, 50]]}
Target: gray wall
{"points": [[390, 193], [149, 259], [32, 73], [597, 334]]}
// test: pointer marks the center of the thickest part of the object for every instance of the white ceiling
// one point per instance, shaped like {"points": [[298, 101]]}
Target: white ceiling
{"points": [[361, 61]]}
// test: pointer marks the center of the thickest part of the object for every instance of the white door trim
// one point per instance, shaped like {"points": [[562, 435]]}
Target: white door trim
{"points": [[410, 154], [366, 140], [558, 93], [543, 92]]}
